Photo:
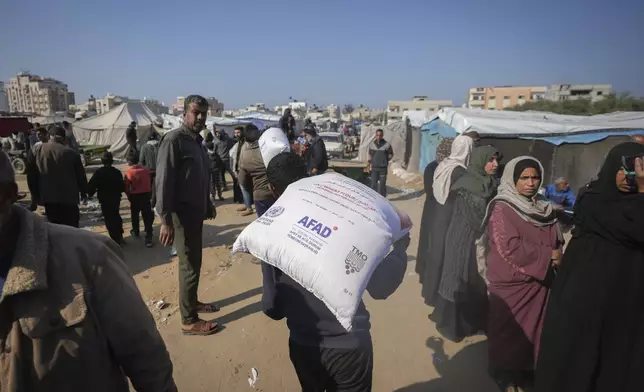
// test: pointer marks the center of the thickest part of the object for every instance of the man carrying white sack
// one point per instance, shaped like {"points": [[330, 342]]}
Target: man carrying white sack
{"points": [[324, 354]]}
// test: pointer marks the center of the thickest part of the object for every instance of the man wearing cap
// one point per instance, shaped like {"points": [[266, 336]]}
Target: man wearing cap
{"points": [[61, 179], [72, 317]]}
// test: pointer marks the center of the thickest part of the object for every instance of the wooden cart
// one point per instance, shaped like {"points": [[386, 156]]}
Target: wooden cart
{"points": [[355, 170], [91, 153]]}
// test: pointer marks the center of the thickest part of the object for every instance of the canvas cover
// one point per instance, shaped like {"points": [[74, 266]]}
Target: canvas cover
{"points": [[558, 128], [397, 133], [109, 128]]}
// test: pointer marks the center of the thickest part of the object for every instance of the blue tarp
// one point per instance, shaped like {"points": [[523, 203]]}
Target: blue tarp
{"points": [[585, 138], [431, 135]]}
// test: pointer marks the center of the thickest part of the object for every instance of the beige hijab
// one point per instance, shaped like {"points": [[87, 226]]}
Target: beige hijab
{"points": [[460, 156]]}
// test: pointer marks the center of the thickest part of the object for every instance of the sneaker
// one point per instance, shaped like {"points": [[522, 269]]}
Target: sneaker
{"points": [[221, 197], [173, 252], [148, 243], [134, 234], [247, 212]]}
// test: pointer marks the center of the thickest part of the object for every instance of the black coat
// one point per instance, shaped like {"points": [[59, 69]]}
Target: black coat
{"points": [[316, 157]]}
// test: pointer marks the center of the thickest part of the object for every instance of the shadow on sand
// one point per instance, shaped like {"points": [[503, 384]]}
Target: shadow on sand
{"points": [[464, 372]]}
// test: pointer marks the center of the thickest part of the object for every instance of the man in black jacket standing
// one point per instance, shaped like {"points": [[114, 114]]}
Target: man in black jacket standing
{"points": [[380, 153], [287, 124], [315, 155], [183, 202], [222, 145], [131, 136]]}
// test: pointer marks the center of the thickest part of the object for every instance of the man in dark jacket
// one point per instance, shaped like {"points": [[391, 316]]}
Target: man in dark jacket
{"points": [[222, 145], [287, 124], [315, 155], [324, 354], [61, 179], [131, 136], [380, 153], [148, 158], [183, 202]]}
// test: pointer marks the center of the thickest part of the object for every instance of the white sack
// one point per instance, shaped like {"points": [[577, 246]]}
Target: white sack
{"points": [[328, 233], [272, 142]]}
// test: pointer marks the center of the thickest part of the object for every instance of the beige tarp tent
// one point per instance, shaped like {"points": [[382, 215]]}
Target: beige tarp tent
{"points": [[109, 128]]}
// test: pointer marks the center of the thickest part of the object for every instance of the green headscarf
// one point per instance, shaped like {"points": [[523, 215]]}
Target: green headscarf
{"points": [[475, 180]]}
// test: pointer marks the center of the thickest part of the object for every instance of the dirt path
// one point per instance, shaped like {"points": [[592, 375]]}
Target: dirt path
{"points": [[409, 355]]}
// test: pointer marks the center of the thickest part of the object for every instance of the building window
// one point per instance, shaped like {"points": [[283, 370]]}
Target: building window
{"points": [[492, 98], [506, 97], [600, 92], [521, 96]]}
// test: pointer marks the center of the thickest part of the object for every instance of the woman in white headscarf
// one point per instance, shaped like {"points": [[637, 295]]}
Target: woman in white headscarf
{"points": [[521, 249], [459, 157], [438, 210]]}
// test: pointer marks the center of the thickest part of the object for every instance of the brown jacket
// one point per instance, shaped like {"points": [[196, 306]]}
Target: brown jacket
{"points": [[252, 172], [61, 174], [72, 318]]}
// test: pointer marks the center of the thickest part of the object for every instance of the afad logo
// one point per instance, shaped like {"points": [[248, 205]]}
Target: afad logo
{"points": [[317, 227]]}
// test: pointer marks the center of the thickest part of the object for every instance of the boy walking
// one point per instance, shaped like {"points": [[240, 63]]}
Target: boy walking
{"points": [[108, 182], [139, 192]]}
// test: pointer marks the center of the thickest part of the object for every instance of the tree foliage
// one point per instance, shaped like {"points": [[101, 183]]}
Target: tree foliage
{"points": [[585, 107]]}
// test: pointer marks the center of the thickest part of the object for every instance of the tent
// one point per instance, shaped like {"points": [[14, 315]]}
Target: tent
{"points": [[568, 146], [397, 133], [109, 128]]}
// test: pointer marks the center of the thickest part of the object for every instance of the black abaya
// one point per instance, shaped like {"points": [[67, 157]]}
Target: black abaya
{"points": [[431, 247], [593, 334]]}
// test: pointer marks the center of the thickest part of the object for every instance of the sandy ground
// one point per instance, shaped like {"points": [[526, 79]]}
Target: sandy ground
{"points": [[410, 356]]}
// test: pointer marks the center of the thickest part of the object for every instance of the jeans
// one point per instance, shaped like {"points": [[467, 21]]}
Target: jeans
{"points": [[226, 169], [246, 196], [379, 181], [188, 242]]}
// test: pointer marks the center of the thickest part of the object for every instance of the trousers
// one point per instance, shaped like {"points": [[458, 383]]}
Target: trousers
{"points": [[188, 242], [226, 169], [113, 222], [63, 214], [322, 369], [140, 204], [379, 181]]}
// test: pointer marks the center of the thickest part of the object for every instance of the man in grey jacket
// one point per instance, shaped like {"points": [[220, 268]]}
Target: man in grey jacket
{"points": [[183, 202], [380, 153]]}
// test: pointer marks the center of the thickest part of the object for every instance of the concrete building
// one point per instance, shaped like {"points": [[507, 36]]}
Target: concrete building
{"points": [[573, 92], [334, 111], [395, 109], [216, 107], [503, 97], [108, 102], [4, 102], [29, 93]]}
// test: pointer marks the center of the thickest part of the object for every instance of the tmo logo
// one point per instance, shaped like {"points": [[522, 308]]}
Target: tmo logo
{"points": [[317, 227]]}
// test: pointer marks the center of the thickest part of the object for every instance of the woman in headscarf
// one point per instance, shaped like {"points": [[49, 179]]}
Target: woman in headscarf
{"points": [[522, 244], [436, 215], [593, 333], [461, 303]]}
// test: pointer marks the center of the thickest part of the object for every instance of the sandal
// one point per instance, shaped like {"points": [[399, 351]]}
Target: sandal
{"points": [[201, 328], [207, 308]]}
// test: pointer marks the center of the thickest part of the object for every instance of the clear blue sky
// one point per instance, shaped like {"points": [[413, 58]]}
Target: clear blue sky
{"points": [[331, 51]]}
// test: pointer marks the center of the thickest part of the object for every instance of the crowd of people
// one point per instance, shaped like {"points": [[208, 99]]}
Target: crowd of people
{"points": [[491, 260]]}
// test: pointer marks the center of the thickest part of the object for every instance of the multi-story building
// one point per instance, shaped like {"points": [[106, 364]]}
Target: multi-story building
{"points": [[334, 111], [503, 97], [4, 102], [573, 92], [29, 93], [108, 102], [395, 109], [216, 108], [177, 108]]}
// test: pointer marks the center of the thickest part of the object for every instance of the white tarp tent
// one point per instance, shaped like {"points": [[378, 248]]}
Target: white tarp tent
{"points": [[536, 124], [109, 128], [417, 117]]}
